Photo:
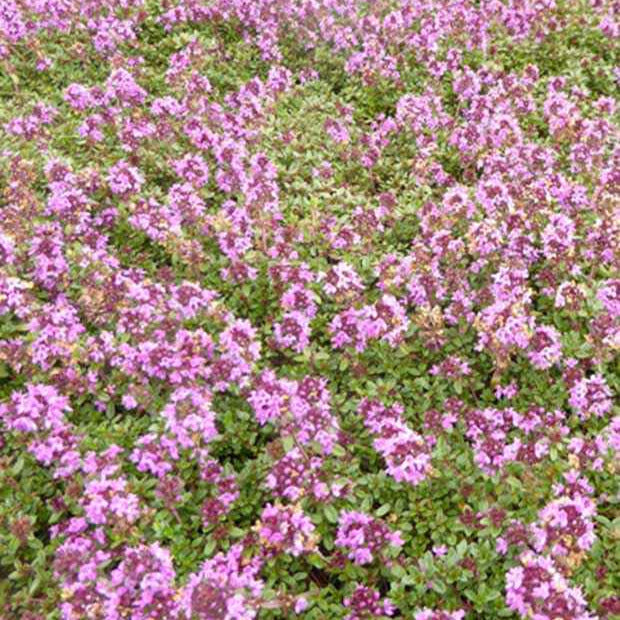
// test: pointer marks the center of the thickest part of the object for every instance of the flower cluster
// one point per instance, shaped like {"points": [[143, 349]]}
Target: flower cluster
{"points": [[537, 589], [406, 453], [225, 587], [366, 602], [557, 543], [590, 396], [286, 529], [300, 408], [490, 430], [385, 320], [364, 537], [427, 614]]}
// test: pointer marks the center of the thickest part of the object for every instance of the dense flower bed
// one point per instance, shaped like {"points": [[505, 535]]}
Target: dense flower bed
{"points": [[309, 308]]}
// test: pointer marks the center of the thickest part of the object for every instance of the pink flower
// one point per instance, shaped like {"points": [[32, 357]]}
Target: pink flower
{"points": [[124, 180]]}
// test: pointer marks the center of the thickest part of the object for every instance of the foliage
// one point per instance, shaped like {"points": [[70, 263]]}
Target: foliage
{"points": [[309, 308]]}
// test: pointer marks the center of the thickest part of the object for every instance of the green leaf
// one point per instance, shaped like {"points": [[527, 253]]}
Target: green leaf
{"points": [[331, 514], [439, 587], [398, 571], [288, 443]]}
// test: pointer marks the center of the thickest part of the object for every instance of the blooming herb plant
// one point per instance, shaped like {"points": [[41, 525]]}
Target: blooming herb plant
{"points": [[309, 308]]}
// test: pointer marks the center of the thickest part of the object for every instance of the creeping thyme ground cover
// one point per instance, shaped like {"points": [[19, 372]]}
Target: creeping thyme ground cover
{"points": [[309, 308]]}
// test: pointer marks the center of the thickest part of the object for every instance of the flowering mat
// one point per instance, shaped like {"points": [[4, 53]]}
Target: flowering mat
{"points": [[309, 308]]}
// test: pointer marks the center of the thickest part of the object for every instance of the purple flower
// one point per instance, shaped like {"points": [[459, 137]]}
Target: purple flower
{"points": [[591, 396], [124, 180], [364, 537], [286, 529]]}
